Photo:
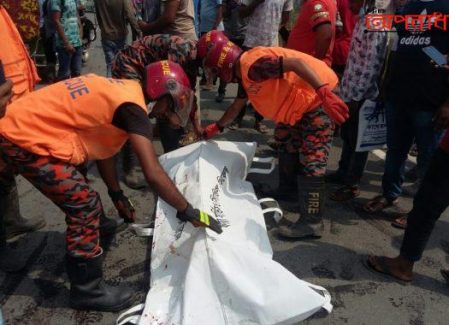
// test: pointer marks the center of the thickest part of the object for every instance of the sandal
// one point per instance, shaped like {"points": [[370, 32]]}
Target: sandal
{"points": [[378, 203], [345, 193], [259, 127], [400, 222], [380, 266]]}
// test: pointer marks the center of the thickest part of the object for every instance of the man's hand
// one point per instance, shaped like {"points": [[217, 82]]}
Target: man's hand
{"points": [[123, 205], [441, 118], [336, 109], [69, 48], [142, 25], [199, 219], [444, 66], [5, 96]]}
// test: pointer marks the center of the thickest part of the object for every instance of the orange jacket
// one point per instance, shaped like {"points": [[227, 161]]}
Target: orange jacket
{"points": [[18, 66], [286, 99], [72, 120]]}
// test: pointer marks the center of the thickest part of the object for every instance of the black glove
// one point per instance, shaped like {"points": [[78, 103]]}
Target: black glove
{"points": [[197, 217], [123, 205]]}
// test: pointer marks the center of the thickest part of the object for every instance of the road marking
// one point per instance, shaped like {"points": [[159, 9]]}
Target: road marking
{"points": [[381, 154]]}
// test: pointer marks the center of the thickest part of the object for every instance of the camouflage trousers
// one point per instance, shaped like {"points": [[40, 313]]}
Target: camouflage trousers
{"points": [[311, 138], [66, 186]]}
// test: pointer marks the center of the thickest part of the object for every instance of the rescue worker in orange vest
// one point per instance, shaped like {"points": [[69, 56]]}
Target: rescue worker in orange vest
{"points": [[46, 135], [288, 87], [130, 63], [21, 75]]}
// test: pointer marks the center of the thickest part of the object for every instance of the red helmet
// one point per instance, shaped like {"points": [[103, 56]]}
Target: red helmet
{"points": [[168, 78], [222, 57], [208, 40]]}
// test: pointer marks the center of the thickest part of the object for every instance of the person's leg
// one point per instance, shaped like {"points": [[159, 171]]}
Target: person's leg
{"points": [[49, 50], [427, 140], [288, 164], [399, 141], [110, 49], [428, 205], [316, 131], [76, 62], [15, 224], [221, 91], [65, 186], [50, 55], [357, 162], [316, 142], [11, 259], [64, 59], [352, 163], [346, 150], [430, 202], [258, 123], [237, 123]]}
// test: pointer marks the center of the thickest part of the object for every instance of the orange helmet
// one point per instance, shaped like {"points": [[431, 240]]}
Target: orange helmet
{"points": [[168, 78]]}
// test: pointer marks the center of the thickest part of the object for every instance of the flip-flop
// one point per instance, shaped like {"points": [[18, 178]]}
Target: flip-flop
{"points": [[400, 222], [378, 204], [385, 271], [345, 193]]}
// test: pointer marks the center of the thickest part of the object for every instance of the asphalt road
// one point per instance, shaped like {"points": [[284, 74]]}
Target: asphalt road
{"points": [[40, 294]]}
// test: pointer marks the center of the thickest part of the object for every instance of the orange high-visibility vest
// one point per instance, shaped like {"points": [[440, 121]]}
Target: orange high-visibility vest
{"points": [[72, 120], [286, 99], [18, 66]]}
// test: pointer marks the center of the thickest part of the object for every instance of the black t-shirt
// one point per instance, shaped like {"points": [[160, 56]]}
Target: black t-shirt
{"points": [[415, 83], [132, 119]]}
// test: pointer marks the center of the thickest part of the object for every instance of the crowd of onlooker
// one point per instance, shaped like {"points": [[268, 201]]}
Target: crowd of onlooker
{"points": [[383, 66]]}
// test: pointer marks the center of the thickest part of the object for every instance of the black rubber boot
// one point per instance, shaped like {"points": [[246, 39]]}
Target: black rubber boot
{"points": [[134, 177], [88, 291], [311, 206], [109, 227], [14, 223], [10, 260], [288, 170]]}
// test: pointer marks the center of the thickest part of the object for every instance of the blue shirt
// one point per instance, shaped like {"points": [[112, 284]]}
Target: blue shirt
{"points": [[208, 13], [69, 20]]}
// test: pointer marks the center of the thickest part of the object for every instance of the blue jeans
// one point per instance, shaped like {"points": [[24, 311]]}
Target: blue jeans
{"points": [[110, 49], [69, 63], [402, 128]]}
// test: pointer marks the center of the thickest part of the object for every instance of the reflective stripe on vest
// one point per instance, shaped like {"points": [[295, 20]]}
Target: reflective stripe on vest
{"points": [[72, 120], [283, 100]]}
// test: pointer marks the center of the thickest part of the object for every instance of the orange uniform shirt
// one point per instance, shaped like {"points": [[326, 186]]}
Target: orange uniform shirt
{"points": [[18, 66], [72, 120], [286, 99], [312, 14]]}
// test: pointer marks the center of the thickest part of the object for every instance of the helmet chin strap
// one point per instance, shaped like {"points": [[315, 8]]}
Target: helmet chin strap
{"points": [[150, 106]]}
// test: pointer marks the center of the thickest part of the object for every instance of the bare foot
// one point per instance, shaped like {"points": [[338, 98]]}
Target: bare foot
{"points": [[398, 268]]}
